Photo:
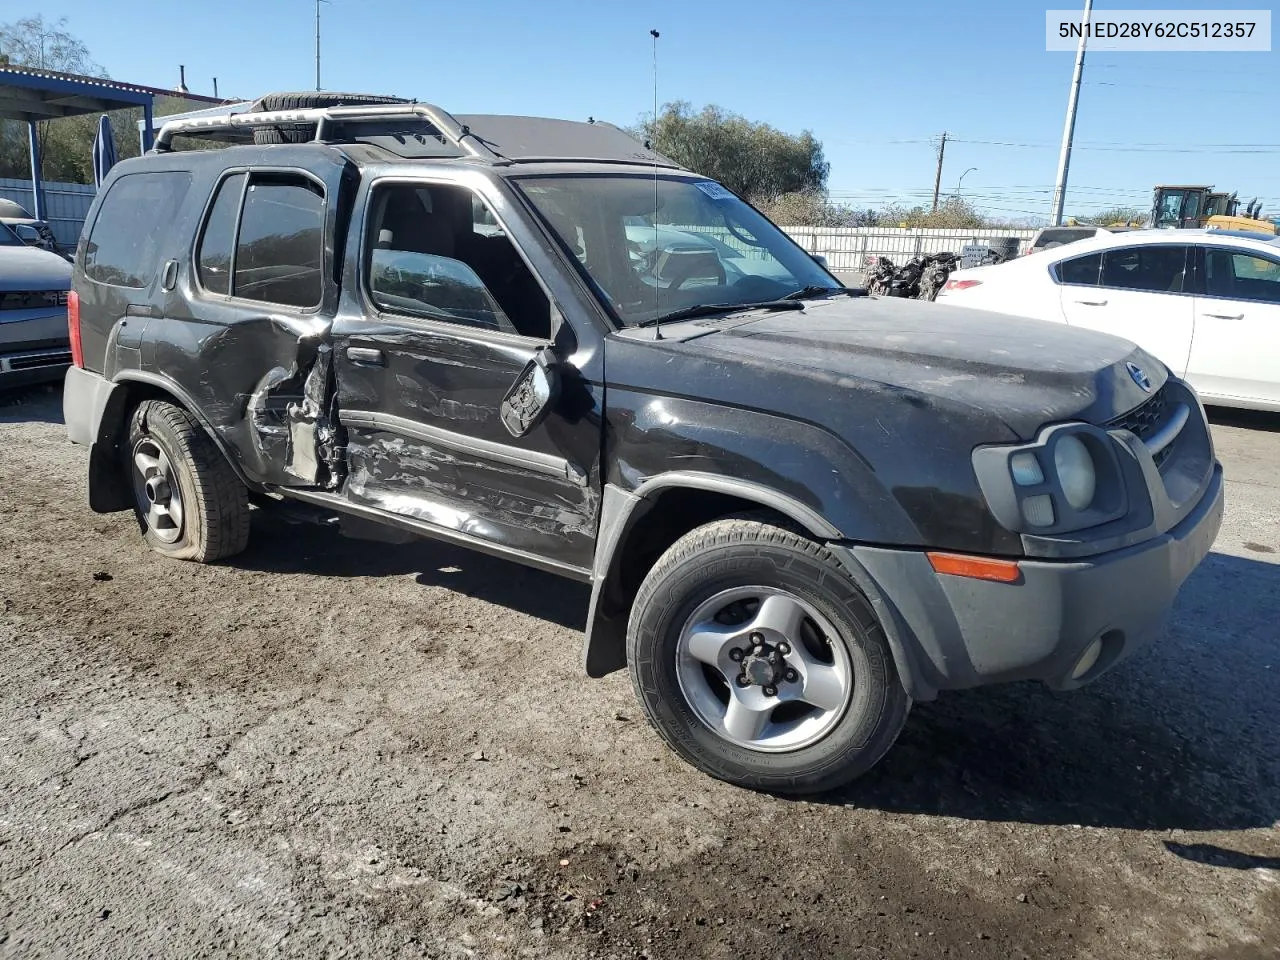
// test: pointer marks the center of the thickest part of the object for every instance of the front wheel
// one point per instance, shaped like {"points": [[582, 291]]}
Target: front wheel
{"points": [[758, 660]]}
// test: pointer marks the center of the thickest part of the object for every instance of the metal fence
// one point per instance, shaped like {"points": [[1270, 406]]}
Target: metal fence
{"points": [[846, 248], [66, 205]]}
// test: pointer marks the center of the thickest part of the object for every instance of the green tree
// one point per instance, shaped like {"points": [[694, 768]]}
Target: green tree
{"points": [[46, 45], [37, 42], [754, 160], [812, 208], [952, 213], [1116, 215], [66, 144]]}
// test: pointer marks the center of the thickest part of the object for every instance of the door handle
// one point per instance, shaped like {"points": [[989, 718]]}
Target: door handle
{"points": [[1226, 316], [1092, 303], [367, 355], [170, 278]]}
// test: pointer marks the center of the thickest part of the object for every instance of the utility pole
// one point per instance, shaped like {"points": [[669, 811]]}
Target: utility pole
{"points": [[937, 180], [1069, 128]]}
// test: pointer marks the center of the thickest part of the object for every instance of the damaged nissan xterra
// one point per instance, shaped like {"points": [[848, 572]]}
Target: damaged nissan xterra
{"points": [[799, 508]]}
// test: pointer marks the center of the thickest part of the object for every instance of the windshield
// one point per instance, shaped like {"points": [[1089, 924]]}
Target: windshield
{"points": [[653, 246]]}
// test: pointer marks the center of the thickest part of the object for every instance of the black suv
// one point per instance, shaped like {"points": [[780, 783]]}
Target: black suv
{"points": [[799, 508]]}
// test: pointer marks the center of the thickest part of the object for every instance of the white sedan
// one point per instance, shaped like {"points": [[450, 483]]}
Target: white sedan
{"points": [[1206, 302]]}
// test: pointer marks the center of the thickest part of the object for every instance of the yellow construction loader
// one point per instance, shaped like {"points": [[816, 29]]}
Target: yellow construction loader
{"points": [[1178, 206]]}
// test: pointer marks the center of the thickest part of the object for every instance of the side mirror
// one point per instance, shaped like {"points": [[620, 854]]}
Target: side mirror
{"points": [[820, 260], [532, 396]]}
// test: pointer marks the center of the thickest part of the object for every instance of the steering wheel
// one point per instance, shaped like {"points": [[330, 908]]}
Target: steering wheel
{"points": [[690, 270]]}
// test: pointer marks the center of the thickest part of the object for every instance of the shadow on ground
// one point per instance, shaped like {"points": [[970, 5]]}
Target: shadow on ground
{"points": [[1181, 736], [279, 546], [38, 404], [1214, 856], [1245, 419], [1178, 737]]}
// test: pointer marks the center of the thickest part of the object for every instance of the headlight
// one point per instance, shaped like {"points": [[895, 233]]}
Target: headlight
{"points": [[1068, 479], [1076, 472]]}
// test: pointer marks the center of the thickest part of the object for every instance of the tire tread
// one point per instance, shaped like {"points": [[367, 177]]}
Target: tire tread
{"points": [[222, 500], [769, 531]]}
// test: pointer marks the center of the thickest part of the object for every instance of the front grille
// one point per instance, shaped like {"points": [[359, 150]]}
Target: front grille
{"points": [[1144, 420], [32, 361], [32, 299]]}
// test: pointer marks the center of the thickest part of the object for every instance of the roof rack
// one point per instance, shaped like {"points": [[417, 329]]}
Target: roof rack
{"points": [[323, 117]]}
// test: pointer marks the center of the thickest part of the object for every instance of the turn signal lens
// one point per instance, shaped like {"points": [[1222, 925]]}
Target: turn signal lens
{"points": [[961, 284], [976, 568]]}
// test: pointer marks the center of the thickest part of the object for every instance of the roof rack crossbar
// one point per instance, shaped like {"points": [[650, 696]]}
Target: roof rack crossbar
{"points": [[323, 117]]}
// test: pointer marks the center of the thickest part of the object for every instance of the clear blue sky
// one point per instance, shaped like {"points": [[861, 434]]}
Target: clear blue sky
{"points": [[876, 82]]}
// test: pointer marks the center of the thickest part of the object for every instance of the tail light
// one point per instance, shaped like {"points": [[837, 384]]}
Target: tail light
{"points": [[73, 328], [961, 284]]}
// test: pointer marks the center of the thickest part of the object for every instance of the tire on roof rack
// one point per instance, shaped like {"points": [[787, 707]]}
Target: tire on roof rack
{"points": [[306, 100]]}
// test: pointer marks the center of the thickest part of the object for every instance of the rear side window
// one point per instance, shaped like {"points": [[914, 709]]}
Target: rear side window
{"points": [[124, 246], [265, 242], [1154, 269], [213, 255], [1082, 271], [1056, 238], [280, 248]]}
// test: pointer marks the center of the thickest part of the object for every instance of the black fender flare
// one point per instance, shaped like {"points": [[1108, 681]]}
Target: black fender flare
{"points": [[604, 648], [108, 491], [189, 404]]}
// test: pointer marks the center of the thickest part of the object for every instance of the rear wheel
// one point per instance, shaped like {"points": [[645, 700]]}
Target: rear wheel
{"points": [[188, 501], [758, 660]]}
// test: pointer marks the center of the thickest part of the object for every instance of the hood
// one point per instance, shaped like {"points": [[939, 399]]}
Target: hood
{"points": [[30, 268], [1026, 372]]}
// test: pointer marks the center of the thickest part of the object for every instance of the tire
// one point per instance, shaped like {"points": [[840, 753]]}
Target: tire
{"points": [[169, 452], [733, 559], [306, 100]]}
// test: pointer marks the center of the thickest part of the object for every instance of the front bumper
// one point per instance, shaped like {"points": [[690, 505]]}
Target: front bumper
{"points": [[34, 347], [954, 632]]}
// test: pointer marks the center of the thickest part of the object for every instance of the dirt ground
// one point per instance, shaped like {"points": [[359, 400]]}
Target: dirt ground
{"points": [[330, 748]]}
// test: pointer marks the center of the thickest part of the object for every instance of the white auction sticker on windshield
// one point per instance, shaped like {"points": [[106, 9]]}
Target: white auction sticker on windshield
{"points": [[713, 190]]}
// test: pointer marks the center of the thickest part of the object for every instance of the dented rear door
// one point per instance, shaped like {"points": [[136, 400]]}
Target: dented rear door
{"points": [[247, 312]]}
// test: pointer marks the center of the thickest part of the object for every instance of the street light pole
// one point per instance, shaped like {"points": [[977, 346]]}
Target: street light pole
{"points": [[318, 2], [1069, 128], [961, 180]]}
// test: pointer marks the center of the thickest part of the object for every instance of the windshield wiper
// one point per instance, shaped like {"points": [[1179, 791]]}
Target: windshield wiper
{"points": [[804, 293], [711, 309]]}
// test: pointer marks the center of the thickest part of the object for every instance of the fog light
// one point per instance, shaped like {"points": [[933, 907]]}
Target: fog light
{"points": [[1038, 511], [1087, 659]]}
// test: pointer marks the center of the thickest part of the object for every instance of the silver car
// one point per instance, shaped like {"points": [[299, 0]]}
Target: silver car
{"points": [[34, 343]]}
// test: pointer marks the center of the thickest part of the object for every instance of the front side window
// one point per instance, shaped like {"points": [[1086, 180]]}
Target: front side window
{"points": [[123, 248], [436, 251], [653, 245], [1241, 276], [8, 238], [1154, 269], [279, 254]]}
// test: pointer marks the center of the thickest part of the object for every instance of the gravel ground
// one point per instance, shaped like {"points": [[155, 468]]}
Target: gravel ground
{"points": [[333, 748]]}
